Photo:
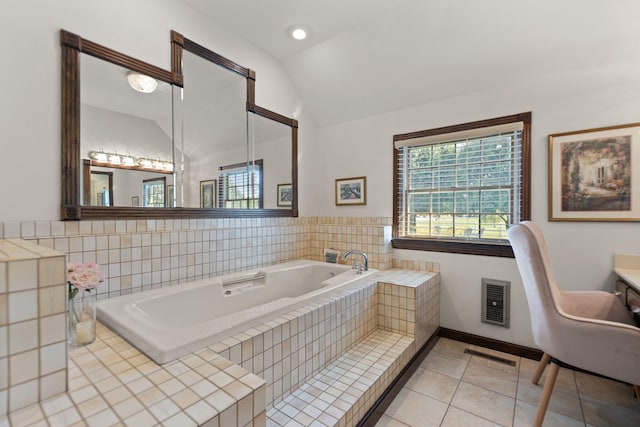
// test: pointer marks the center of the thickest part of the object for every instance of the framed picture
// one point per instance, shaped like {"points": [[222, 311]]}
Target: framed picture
{"points": [[208, 193], [135, 201], [351, 191], [285, 194], [591, 177]]}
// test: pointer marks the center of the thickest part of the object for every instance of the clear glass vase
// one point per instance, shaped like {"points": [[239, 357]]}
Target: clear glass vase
{"points": [[82, 319]]}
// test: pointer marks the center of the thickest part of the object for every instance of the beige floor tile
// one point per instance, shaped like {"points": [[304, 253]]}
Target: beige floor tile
{"points": [[563, 401], [492, 379], [484, 403], [599, 413], [447, 365], [606, 390], [387, 421], [433, 384], [526, 414], [457, 417], [566, 379], [416, 409]]}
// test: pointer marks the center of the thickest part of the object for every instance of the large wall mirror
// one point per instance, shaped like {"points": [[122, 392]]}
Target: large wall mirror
{"points": [[140, 141]]}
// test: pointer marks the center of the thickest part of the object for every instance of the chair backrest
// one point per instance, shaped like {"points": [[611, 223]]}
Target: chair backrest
{"points": [[607, 344], [543, 294]]}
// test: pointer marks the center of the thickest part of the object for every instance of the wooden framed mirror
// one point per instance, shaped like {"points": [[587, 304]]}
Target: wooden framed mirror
{"points": [[104, 130]]}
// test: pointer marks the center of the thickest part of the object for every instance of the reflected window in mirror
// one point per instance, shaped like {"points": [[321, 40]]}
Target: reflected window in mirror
{"points": [[241, 185], [153, 192]]}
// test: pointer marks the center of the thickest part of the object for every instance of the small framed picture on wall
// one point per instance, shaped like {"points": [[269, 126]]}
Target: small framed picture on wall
{"points": [[351, 191]]}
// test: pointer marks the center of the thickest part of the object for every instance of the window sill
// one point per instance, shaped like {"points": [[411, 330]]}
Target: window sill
{"points": [[457, 247]]}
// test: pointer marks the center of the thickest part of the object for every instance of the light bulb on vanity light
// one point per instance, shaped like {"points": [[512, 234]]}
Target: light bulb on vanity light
{"points": [[141, 82]]}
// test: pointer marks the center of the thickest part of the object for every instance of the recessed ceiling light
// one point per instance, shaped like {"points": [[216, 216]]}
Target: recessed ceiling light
{"points": [[299, 33]]}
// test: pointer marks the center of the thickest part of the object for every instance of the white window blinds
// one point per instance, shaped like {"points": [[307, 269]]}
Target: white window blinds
{"points": [[462, 185]]}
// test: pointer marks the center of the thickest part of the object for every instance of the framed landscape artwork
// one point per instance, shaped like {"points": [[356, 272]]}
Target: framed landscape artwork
{"points": [[592, 175], [351, 191]]}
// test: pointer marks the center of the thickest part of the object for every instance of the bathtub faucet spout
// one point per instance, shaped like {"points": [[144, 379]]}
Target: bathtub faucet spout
{"points": [[358, 267]]}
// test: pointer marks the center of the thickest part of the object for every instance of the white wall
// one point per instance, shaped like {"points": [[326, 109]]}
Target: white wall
{"points": [[30, 106], [606, 93]]}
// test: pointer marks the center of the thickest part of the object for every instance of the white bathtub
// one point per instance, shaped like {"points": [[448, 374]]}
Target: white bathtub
{"points": [[172, 322]]}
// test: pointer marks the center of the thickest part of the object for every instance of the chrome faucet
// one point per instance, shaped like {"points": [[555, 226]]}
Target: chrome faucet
{"points": [[356, 266]]}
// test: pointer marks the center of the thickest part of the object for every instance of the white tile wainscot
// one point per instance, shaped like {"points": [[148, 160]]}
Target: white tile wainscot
{"points": [[268, 367]]}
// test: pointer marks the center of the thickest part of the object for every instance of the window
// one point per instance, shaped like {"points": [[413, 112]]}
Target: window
{"points": [[458, 188], [153, 192], [241, 185]]}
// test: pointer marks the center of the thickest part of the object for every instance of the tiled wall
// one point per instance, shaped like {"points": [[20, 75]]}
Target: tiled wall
{"points": [[370, 235], [137, 255], [141, 254], [33, 347]]}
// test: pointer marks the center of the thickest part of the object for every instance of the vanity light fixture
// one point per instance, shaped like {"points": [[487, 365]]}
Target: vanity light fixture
{"points": [[99, 156], [299, 32], [154, 164], [141, 82], [130, 162]]}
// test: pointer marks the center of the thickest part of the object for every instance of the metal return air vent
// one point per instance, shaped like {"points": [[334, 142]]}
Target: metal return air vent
{"points": [[495, 302]]}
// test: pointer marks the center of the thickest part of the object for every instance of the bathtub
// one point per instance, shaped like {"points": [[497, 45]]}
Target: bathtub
{"points": [[172, 322]]}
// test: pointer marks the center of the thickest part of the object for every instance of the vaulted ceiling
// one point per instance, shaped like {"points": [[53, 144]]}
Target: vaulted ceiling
{"points": [[366, 57]]}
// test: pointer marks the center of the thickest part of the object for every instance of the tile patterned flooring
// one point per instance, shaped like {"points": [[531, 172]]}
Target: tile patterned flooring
{"points": [[452, 389]]}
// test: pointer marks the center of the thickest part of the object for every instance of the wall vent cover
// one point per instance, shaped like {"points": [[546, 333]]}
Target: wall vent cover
{"points": [[495, 302]]}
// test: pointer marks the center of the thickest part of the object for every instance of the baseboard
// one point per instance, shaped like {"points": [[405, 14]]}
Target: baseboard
{"points": [[503, 346]]}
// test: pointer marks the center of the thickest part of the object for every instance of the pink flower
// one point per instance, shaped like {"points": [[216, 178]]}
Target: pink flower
{"points": [[84, 276]]}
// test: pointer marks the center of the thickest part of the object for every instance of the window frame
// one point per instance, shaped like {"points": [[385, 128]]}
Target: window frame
{"points": [[471, 247]]}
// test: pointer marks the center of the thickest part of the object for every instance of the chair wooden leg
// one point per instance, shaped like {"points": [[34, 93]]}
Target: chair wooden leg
{"points": [[546, 394], [636, 389], [540, 369]]}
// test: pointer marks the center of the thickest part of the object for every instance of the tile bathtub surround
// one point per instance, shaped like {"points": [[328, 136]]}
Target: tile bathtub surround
{"points": [[33, 348], [342, 393], [290, 350], [112, 383], [409, 303]]}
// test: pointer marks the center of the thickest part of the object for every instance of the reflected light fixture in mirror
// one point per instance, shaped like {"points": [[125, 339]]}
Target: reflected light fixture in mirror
{"points": [[141, 82]]}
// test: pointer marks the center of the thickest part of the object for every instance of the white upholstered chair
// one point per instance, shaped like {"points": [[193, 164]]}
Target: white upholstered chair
{"points": [[591, 330]]}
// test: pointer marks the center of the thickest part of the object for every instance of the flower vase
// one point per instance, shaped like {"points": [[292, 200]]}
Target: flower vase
{"points": [[82, 319]]}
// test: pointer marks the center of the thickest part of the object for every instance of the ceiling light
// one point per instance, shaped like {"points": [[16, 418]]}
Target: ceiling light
{"points": [[141, 82], [299, 33]]}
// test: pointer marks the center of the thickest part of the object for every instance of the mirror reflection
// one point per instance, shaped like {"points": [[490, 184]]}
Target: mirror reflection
{"points": [[270, 142], [189, 143], [214, 127], [126, 134]]}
